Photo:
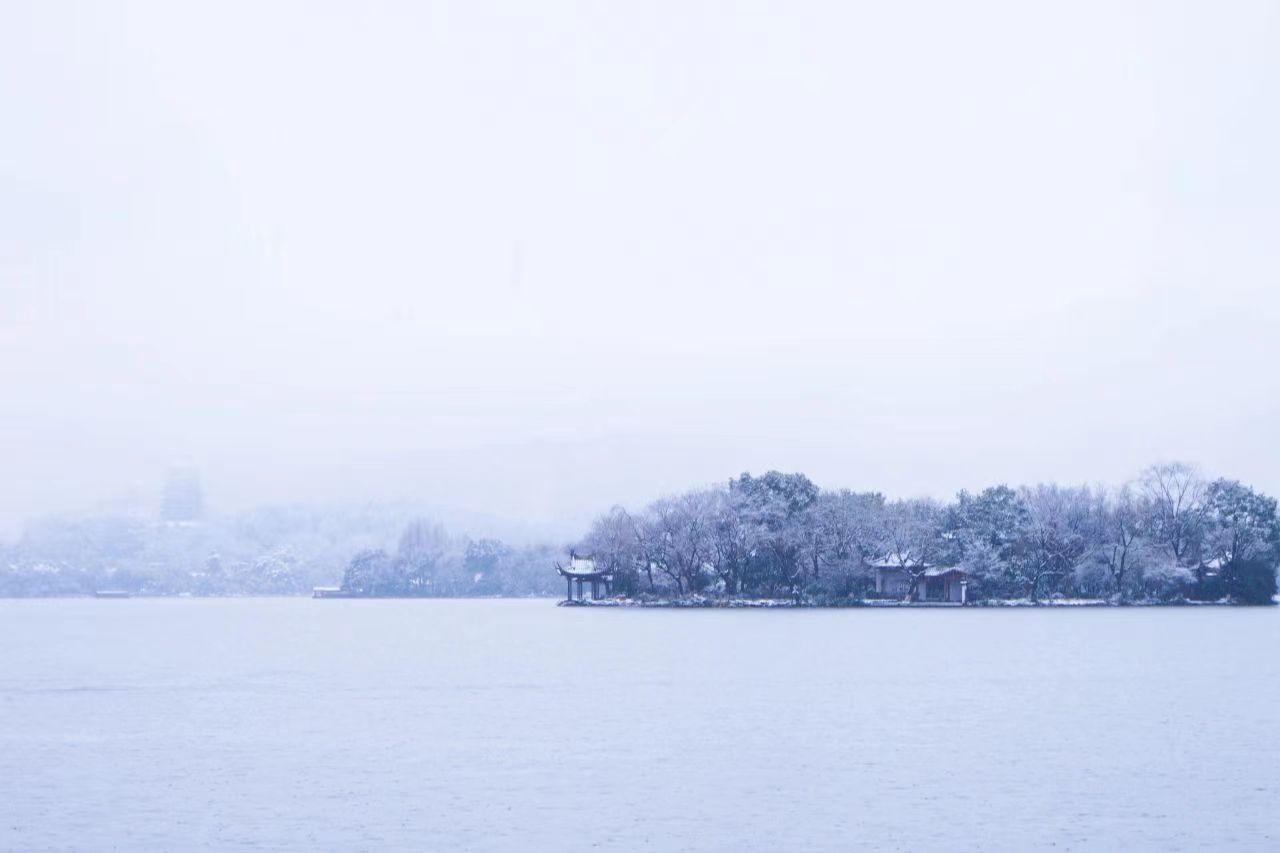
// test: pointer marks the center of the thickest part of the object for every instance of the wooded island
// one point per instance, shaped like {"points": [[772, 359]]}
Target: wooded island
{"points": [[1170, 536]]}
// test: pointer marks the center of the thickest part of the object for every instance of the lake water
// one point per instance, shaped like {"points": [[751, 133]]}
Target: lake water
{"points": [[292, 724]]}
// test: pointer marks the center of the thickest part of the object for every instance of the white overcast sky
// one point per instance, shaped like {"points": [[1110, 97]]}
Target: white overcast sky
{"points": [[534, 258]]}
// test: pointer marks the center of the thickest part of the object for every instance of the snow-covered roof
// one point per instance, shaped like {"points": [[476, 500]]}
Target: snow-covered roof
{"points": [[584, 567], [888, 561], [938, 571], [929, 571]]}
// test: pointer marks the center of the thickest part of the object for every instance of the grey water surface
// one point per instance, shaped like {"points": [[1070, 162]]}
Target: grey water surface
{"points": [[292, 724]]}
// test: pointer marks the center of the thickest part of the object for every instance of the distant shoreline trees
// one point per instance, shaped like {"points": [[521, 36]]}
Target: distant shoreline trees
{"points": [[429, 563], [267, 551], [1170, 535]]}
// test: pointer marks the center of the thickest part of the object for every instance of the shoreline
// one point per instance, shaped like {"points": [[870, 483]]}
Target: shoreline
{"points": [[790, 604], [668, 603]]}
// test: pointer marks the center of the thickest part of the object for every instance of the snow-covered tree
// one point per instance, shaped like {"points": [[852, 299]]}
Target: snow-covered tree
{"points": [[1241, 523], [1056, 537], [1176, 502], [984, 534], [615, 543], [1120, 535], [910, 536], [842, 530], [776, 506]]}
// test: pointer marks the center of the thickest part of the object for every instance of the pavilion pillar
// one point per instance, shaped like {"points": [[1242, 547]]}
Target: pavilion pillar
{"points": [[579, 580], [568, 589]]}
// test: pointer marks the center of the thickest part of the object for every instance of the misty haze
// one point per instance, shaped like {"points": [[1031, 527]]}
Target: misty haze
{"points": [[667, 426]]}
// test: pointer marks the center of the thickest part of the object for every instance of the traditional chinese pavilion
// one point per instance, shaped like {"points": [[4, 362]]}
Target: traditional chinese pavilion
{"points": [[582, 570]]}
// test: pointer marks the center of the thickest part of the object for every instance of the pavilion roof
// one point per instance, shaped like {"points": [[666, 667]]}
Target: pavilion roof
{"points": [[596, 574]]}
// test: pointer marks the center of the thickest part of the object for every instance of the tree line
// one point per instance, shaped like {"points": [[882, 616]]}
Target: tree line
{"points": [[274, 550], [428, 562], [1171, 534]]}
